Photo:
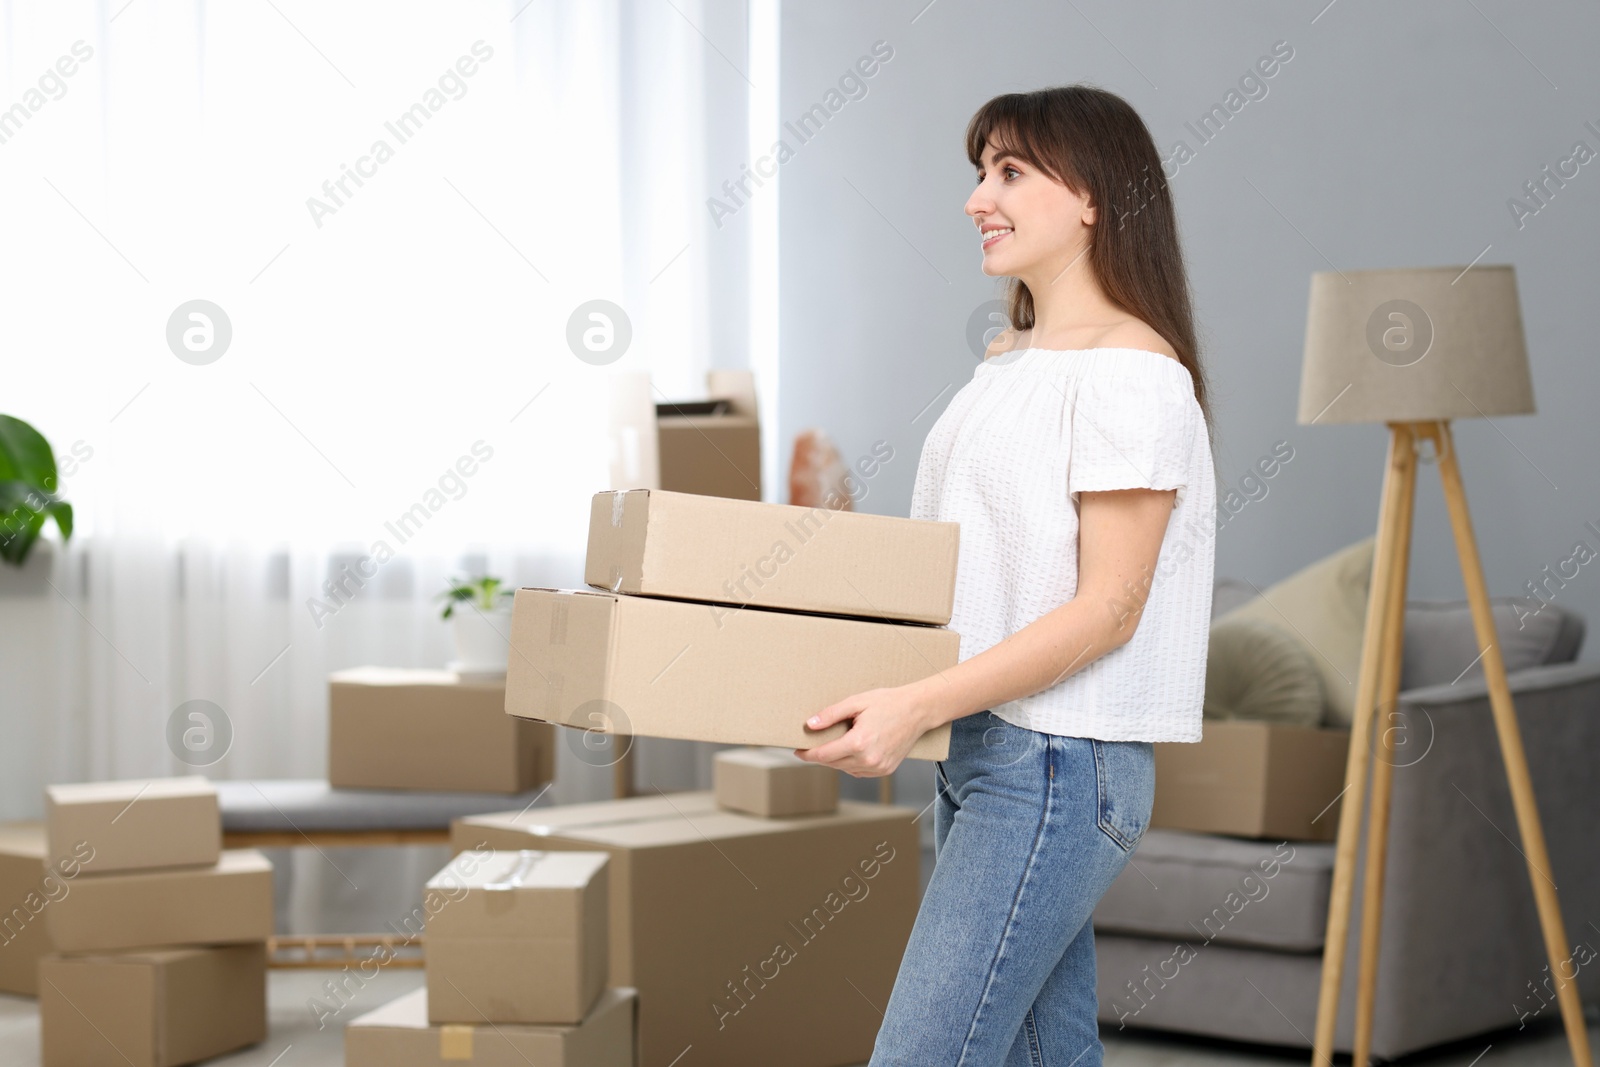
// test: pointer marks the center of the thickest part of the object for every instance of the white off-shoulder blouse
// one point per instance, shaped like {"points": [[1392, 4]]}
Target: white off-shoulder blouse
{"points": [[1007, 460]]}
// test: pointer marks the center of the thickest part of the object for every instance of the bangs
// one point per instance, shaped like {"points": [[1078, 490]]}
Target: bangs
{"points": [[1009, 123]]}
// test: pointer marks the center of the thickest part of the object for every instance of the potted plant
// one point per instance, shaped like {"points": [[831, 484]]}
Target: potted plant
{"points": [[27, 490], [480, 611]]}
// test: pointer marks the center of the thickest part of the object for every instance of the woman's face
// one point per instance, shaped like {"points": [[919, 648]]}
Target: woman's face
{"points": [[1029, 224]]}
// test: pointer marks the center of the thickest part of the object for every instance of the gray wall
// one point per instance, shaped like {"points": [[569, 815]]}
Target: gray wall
{"points": [[1394, 137]]}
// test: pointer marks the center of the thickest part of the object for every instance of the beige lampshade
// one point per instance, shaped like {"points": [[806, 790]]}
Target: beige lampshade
{"points": [[1413, 345]]}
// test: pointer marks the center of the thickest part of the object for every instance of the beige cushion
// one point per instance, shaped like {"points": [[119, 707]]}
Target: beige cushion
{"points": [[1325, 607], [1258, 670]]}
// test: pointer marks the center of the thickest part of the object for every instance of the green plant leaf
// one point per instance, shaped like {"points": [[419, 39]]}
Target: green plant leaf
{"points": [[28, 486], [22, 512], [25, 455], [483, 590], [61, 511]]}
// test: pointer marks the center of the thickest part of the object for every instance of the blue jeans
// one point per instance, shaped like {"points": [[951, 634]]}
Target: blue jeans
{"points": [[1030, 829]]}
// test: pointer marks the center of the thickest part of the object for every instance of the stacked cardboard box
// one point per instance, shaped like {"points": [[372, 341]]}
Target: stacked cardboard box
{"points": [[516, 962], [160, 936], [772, 783], [394, 728], [710, 447], [750, 940], [400, 1035], [28, 885], [733, 621]]}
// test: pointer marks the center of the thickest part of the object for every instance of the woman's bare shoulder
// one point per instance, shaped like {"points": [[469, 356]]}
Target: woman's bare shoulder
{"points": [[1007, 340], [1136, 334]]}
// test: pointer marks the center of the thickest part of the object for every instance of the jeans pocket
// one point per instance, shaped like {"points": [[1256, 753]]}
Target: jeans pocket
{"points": [[1125, 775]]}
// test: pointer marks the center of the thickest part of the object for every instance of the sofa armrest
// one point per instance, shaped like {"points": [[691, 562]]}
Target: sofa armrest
{"points": [[1461, 939]]}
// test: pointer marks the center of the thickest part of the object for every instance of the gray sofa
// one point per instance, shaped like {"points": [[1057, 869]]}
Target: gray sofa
{"points": [[1196, 937]]}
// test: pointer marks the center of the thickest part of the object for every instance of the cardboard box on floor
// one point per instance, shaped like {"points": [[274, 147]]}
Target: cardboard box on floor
{"points": [[656, 543], [227, 902], [740, 932], [27, 887], [156, 1008], [1253, 779], [134, 825], [707, 672], [711, 454], [516, 937], [397, 728], [772, 783], [399, 1035]]}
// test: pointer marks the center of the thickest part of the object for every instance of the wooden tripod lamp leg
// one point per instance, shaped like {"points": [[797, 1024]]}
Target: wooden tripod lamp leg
{"points": [[1516, 762], [1356, 764], [1393, 646]]}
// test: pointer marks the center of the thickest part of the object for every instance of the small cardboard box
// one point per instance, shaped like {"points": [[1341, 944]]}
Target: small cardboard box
{"points": [[715, 455], [707, 672], [393, 728], [134, 825], [1253, 779], [27, 887], [757, 941], [690, 447], [400, 1035], [745, 552], [772, 782], [229, 901], [158, 1008], [516, 937]]}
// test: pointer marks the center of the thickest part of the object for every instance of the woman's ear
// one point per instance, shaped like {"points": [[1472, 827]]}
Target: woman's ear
{"points": [[1089, 213]]}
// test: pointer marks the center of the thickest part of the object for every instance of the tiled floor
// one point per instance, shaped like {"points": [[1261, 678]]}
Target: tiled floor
{"points": [[295, 1039]]}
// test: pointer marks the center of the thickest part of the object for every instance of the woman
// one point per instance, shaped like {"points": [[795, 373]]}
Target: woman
{"points": [[1078, 463]]}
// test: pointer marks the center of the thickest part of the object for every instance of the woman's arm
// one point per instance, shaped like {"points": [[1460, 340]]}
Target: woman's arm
{"points": [[1119, 541]]}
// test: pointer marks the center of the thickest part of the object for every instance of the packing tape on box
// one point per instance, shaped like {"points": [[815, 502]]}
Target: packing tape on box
{"points": [[527, 860], [616, 508], [616, 578], [558, 623], [544, 829], [455, 1042]]}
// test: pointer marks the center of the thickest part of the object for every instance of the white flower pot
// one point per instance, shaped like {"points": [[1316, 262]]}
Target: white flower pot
{"points": [[482, 639]]}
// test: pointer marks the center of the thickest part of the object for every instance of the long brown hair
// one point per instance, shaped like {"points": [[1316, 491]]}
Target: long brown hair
{"points": [[1089, 139]]}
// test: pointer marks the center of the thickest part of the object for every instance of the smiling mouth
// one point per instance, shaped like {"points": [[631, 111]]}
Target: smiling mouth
{"points": [[993, 236]]}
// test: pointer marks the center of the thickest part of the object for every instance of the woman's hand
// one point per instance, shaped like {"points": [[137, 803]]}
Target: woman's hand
{"points": [[887, 723]]}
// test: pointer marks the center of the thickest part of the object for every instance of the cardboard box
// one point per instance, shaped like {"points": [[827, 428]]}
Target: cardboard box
{"points": [[27, 887], [399, 1035], [707, 672], [772, 782], [1253, 779], [131, 825], [516, 937], [226, 902], [393, 728], [745, 552], [675, 446], [152, 1009], [717, 455], [740, 932]]}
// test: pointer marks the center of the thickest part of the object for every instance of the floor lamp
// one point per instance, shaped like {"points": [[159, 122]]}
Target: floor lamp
{"points": [[1416, 348]]}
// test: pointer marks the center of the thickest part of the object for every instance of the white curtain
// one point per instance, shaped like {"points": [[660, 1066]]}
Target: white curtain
{"points": [[398, 343]]}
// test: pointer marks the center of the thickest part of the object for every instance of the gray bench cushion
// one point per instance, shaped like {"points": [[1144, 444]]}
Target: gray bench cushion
{"points": [[311, 805], [1203, 887]]}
